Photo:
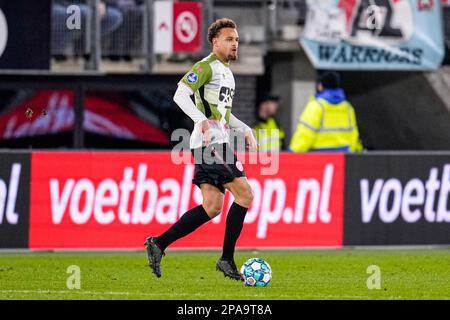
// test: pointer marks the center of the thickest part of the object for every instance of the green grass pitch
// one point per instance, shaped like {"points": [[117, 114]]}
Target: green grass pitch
{"points": [[298, 274]]}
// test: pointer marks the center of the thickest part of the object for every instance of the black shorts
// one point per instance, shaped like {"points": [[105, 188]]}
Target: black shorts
{"points": [[217, 165]]}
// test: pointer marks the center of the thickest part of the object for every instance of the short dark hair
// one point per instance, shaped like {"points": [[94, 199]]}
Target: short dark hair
{"points": [[268, 97], [329, 79], [219, 24]]}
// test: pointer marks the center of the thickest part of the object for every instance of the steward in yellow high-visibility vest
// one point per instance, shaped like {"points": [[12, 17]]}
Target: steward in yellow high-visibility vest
{"points": [[267, 131], [328, 122]]}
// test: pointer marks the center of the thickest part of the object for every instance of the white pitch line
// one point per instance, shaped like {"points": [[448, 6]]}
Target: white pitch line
{"points": [[116, 293], [75, 291], [177, 294]]}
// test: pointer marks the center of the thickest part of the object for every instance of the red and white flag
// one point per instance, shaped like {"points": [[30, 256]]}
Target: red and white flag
{"points": [[177, 27]]}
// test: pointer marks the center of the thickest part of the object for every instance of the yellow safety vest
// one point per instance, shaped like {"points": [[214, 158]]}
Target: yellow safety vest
{"points": [[326, 127], [269, 135]]}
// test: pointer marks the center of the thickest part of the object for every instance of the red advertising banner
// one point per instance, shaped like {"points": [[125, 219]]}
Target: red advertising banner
{"points": [[187, 26], [114, 200]]}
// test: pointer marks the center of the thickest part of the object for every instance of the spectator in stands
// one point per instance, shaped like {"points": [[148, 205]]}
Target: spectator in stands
{"points": [[124, 4], [129, 40], [111, 18], [328, 122], [268, 133]]}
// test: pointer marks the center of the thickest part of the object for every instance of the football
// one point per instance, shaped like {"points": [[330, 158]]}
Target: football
{"points": [[256, 272]]}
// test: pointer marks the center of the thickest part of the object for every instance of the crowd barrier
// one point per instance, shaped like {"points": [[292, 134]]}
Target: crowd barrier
{"points": [[114, 200]]}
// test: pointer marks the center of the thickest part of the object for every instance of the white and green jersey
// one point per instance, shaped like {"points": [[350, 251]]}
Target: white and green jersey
{"points": [[213, 85]]}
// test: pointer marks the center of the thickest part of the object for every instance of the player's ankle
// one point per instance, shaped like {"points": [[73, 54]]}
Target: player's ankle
{"points": [[227, 258]]}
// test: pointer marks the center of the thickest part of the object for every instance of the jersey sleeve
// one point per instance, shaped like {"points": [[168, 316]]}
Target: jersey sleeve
{"points": [[198, 75]]}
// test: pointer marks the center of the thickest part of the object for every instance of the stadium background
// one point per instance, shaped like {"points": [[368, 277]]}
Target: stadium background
{"points": [[102, 105]]}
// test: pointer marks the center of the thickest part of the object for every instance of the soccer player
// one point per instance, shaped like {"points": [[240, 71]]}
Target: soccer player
{"points": [[216, 166]]}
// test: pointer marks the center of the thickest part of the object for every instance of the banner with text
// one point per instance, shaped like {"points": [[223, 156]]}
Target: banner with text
{"points": [[116, 200], [374, 34], [14, 199], [397, 199]]}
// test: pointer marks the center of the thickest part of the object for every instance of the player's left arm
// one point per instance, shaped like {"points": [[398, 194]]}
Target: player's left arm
{"points": [[250, 140]]}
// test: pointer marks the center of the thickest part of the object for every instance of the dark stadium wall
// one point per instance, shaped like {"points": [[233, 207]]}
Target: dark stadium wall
{"points": [[281, 67], [292, 78], [398, 111], [28, 26], [395, 110], [245, 99]]}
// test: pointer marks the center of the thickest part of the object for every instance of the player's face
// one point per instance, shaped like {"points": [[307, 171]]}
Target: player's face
{"points": [[227, 43]]}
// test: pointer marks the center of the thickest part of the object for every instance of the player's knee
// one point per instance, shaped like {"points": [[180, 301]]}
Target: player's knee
{"points": [[246, 198], [212, 208]]}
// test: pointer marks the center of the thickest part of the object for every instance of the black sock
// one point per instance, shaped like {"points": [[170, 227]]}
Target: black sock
{"points": [[235, 222], [188, 222]]}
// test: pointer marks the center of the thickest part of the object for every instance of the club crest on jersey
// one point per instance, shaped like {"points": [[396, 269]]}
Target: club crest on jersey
{"points": [[192, 77]]}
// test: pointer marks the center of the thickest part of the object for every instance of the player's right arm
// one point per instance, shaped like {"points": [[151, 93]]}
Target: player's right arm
{"points": [[194, 79]]}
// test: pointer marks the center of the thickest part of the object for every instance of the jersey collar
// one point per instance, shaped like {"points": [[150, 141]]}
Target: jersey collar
{"points": [[216, 57]]}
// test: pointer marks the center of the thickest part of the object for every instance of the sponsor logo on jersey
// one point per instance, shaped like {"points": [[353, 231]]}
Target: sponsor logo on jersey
{"points": [[226, 95], [192, 77]]}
